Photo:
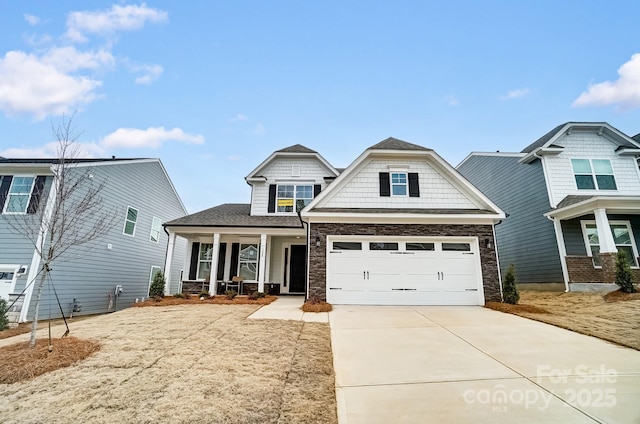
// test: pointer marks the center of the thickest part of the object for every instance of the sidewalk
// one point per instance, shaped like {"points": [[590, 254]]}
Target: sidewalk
{"points": [[288, 308]]}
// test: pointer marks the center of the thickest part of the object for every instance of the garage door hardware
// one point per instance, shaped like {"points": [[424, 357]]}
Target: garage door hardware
{"points": [[404, 289]]}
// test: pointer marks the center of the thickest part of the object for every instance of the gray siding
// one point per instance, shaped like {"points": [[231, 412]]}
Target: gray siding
{"points": [[90, 273], [526, 238]]}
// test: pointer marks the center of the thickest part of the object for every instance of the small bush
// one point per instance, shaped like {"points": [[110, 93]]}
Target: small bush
{"points": [[157, 286], [509, 290], [179, 296], [252, 296], [624, 277], [261, 295], [4, 320], [204, 294], [230, 294]]}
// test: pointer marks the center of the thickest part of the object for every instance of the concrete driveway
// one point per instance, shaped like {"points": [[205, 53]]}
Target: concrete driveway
{"points": [[448, 364]]}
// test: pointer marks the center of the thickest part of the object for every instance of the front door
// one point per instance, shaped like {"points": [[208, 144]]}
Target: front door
{"points": [[298, 269]]}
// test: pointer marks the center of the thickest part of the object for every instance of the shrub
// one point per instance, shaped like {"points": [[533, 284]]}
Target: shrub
{"points": [[252, 296], [624, 277], [261, 295], [157, 286], [4, 320], [179, 296], [204, 294], [509, 290], [230, 294]]}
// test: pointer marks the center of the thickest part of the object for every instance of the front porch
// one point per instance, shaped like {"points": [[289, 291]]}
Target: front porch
{"points": [[590, 233]]}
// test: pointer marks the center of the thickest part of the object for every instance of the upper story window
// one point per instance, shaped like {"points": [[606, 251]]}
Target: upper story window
{"points": [[593, 174], [398, 183], [156, 226], [130, 221], [292, 198], [19, 195]]}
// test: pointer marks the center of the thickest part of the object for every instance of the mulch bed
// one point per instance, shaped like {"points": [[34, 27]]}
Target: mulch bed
{"points": [[316, 307], [618, 295], [514, 309], [195, 300], [20, 362]]}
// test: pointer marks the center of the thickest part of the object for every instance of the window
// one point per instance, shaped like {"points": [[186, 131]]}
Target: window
{"points": [[420, 246], [398, 184], [204, 261], [248, 261], [156, 226], [383, 246], [456, 247], [622, 237], [290, 195], [19, 194], [593, 174], [347, 245], [130, 221]]}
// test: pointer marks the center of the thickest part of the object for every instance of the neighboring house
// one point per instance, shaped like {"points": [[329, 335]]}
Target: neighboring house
{"points": [[572, 199], [143, 197], [398, 226]]}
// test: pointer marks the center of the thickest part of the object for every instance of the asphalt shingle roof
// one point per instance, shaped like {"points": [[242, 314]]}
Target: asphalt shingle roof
{"points": [[572, 200], [234, 215], [296, 148], [395, 144]]}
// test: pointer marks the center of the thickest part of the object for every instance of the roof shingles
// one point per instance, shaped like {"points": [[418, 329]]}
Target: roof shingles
{"points": [[234, 215]]}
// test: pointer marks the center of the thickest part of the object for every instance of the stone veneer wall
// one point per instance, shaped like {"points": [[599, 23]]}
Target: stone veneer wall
{"points": [[318, 260], [581, 269]]}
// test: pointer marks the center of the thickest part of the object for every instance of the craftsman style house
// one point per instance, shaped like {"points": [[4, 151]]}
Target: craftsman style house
{"points": [[141, 196], [398, 226], [573, 201]]}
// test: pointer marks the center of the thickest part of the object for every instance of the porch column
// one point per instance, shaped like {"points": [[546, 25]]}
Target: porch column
{"points": [[607, 244], [167, 264], [263, 262], [213, 276]]}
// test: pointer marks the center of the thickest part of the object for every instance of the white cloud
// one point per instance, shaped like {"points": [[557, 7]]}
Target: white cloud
{"points": [[30, 85], [514, 94], [50, 150], [623, 92], [238, 118], [150, 73], [68, 59], [33, 20], [108, 22], [451, 100], [151, 137]]}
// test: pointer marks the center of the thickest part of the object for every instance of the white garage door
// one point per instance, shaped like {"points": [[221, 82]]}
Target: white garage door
{"points": [[383, 271]]}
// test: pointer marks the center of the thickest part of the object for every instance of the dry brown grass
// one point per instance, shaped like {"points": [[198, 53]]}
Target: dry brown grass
{"points": [[316, 307], [185, 364], [25, 327], [595, 314], [20, 362], [215, 300]]}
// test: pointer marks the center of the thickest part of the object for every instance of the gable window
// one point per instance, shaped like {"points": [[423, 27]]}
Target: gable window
{"points": [[248, 261], [593, 174], [292, 198], [398, 184], [204, 261], [130, 221], [622, 236], [156, 226], [19, 195]]}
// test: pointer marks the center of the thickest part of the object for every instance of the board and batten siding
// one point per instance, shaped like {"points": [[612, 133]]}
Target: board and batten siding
{"points": [[363, 190], [90, 273], [588, 145], [279, 171], [526, 238]]}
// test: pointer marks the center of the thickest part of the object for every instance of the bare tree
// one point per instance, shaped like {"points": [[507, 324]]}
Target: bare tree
{"points": [[73, 217]]}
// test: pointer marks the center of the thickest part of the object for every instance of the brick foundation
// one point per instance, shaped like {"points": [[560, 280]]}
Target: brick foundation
{"points": [[581, 269], [318, 260]]}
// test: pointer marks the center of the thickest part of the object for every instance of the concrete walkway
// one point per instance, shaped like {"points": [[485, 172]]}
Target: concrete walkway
{"points": [[470, 364], [288, 308]]}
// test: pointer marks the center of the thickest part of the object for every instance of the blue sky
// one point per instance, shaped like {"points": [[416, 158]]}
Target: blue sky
{"points": [[213, 87]]}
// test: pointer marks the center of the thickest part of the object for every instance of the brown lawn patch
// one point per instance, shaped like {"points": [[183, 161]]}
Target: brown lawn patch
{"points": [[215, 300], [25, 327], [514, 309], [619, 295], [20, 362]]}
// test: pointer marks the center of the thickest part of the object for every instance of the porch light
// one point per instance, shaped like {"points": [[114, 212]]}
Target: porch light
{"points": [[488, 244], [318, 241]]}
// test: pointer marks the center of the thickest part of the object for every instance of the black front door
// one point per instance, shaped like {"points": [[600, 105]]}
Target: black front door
{"points": [[298, 269]]}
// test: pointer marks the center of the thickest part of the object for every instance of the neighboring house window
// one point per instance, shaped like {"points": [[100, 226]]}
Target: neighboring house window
{"points": [[398, 184], [204, 261], [622, 236], [156, 227], [130, 221], [593, 174], [19, 195], [154, 271], [289, 196], [248, 261]]}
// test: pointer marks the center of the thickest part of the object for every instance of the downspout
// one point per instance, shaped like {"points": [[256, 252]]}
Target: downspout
{"points": [[166, 253], [495, 248], [562, 251], [303, 224]]}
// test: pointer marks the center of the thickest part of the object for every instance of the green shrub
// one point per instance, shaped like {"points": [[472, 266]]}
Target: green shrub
{"points": [[204, 294], [179, 296], [157, 286], [261, 295], [624, 277], [230, 294], [4, 320], [509, 290]]}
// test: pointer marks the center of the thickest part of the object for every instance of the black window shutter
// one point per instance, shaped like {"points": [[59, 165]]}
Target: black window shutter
{"points": [[222, 253], [235, 252], [414, 187], [272, 198], [385, 186], [36, 194], [317, 188], [4, 189], [193, 269]]}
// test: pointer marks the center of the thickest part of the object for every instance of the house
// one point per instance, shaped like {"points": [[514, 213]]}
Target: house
{"points": [[399, 226], [573, 201], [142, 197]]}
